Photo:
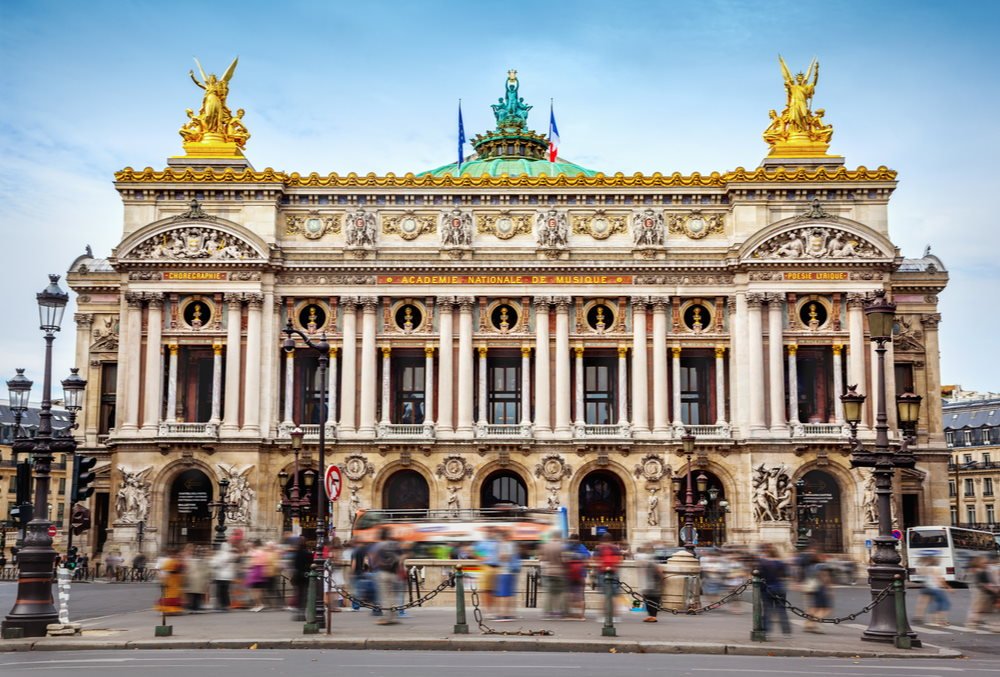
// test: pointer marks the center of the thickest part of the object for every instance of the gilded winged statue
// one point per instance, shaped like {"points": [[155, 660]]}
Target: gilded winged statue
{"points": [[798, 125], [214, 122]]}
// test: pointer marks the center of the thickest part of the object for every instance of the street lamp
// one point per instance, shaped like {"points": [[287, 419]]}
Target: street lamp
{"points": [[295, 502], [223, 509], [883, 460], [34, 608], [19, 389], [73, 387], [689, 508]]}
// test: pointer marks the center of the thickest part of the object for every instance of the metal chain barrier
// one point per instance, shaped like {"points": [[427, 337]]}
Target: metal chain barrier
{"points": [[731, 596], [431, 594], [477, 613], [882, 594]]}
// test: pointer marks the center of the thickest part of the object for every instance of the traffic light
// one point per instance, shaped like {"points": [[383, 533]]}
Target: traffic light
{"points": [[79, 519], [23, 483], [82, 478], [71, 557]]}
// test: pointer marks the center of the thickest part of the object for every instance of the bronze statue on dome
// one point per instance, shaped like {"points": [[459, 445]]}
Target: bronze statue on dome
{"points": [[510, 110]]}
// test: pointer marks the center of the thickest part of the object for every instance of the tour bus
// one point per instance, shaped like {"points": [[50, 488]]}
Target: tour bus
{"points": [[425, 530], [952, 547]]}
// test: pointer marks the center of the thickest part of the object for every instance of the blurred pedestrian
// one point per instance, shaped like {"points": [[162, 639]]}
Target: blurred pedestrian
{"points": [[576, 557], [508, 571], [387, 563], [933, 600], [553, 576], [196, 577], [984, 591], [488, 551], [223, 565], [817, 584], [774, 571], [171, 572], [256, 574], [652, 579]]}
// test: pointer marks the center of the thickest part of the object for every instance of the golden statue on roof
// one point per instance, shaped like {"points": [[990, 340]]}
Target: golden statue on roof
{"points": [[214, 131], [798, 131]]}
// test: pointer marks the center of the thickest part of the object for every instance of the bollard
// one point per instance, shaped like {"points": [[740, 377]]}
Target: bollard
{"points": [[461, 626], [311, 627], [609, 607], [757, 634], [902, 640], [163, 630]]}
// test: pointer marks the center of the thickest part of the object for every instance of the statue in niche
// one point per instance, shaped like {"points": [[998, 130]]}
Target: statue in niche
{"points": [[132, 499], [772, 494], [653, 511]]}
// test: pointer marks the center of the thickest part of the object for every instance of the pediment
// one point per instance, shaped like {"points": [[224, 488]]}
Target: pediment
{"points": [[193, 241], [820, 240]]}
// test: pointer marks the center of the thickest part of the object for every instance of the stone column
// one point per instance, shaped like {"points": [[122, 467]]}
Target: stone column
{"points": [[251, 394], [270, 364], [720, 385], [369, 367], [483, 370], [755, 359], [562, 367], [290, 389], [331, 388], [581, 418], [776, 367], [838, 383], [465, 367], [429, 386], [386, 383], [543, 418], [890, 386], [932, 360], [131, 399], [739, 391], [675, 384], [640, 402], [525, 386], [856, 351], [446, 378], [216, 417], [349, 380], [234, 321], [154, 366], [172, 385], [661, 413], [622, 385], [793, 390]]}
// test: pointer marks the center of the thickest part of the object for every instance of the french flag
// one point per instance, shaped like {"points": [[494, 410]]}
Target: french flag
{"points": [[553, 135]]}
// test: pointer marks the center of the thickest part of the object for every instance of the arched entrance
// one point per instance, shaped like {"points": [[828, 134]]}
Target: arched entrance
{"points": [[602, 508], [406, 490], [710, 493], [190, 518], [820, 511], [503, 488], [307, 495]]}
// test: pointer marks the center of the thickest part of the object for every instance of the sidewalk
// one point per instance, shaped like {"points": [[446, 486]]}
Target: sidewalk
{"points": [[718, 632]]}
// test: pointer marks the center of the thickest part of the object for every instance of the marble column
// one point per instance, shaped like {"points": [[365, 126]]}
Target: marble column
{"points": [[622, 403], [466, 395], [661, 412], [386, 383], [251, 394], [234, 321], [270, 364], [172, 384], [130, 401], [349, 379], [216, 417], [675, 384], [483, 375], [369, 367], [331, 388], [429, 386], [856, 350], [290, 389], [543, 417], [152, 398], [932, 359], [838, 383], [793, 390], [525, 386], [563, 392], [446, 373], [581, 417], [776, 366], [755, 360], [739, 391], [640, 401], [890, 386], [720, 385]]}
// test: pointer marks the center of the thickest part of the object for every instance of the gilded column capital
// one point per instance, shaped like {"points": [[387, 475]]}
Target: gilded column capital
{"points": [[429, 351], [720, 352], [83, 319], [930, 321], [290, 354], [838, 348], [792, 349], [333, 351], [217, 348], [482, 350], [675, 352], [578, 350], [133, 299], [525, 350], [386, 351], [754, 299], [172, 348], [622, 350]]}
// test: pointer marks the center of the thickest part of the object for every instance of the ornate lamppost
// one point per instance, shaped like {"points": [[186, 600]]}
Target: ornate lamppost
{"points": [[73, 387], [296, 501], [883, 460], [323, 349], [689, 507], [34, 608], [716, 510], [223, 510], [19, 390]]}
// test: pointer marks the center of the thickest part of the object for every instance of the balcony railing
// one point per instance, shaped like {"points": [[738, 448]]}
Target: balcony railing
{"points": [[503, 431], [590, 431], [716, 431], [405, 431], [819, 430], [974, 465], [178, 429]]}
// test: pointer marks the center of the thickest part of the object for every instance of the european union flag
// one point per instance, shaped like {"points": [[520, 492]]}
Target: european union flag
{"points": [[461, 137]]}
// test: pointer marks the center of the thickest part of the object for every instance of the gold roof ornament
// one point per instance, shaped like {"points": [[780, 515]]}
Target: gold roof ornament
{"points": [[799, 132], [214, 132]]}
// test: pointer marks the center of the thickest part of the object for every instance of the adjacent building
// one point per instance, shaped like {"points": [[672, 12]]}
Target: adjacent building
{"points": [[972, 432]]}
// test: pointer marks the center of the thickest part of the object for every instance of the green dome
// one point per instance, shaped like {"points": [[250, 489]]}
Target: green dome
{"points": [[511, 167]]}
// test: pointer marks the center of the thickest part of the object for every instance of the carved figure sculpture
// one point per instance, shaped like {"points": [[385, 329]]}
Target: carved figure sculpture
{"points": [[354, 505], [647, 229], [214, 122], [240, 495], [869, 502], [457, 229], [552, 496], [815, 243], [454, 503], [132, 499], [195, 242], [772, 494], [553, 233], [653, 513], [360, 229]]}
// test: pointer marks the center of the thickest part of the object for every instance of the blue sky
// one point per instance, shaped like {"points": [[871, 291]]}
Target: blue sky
{"points": [[89, 88]]}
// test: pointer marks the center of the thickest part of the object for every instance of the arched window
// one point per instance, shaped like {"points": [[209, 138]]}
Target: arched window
{"points": [[503, 488], [406, 490]]}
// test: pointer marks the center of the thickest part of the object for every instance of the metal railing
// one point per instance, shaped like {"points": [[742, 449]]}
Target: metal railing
{"points": [[405, 431]]}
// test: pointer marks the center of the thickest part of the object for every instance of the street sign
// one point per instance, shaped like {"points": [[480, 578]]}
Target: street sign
{"points": [[53, 531], [897, 534], [868, 543], [333, 482]]}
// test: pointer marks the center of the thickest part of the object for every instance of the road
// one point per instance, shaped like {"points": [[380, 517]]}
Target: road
{"points": [[306, 663], [92, 600]]}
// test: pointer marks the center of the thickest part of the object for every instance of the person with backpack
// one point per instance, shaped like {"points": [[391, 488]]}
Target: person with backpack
{"points": [[575, 557], [387, 561]]}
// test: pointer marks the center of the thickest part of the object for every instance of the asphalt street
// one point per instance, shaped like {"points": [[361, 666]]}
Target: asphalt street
{"points": [[306, 663]]}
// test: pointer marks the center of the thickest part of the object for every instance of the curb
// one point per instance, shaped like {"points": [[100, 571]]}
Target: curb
{"points": [[467, 644]]}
